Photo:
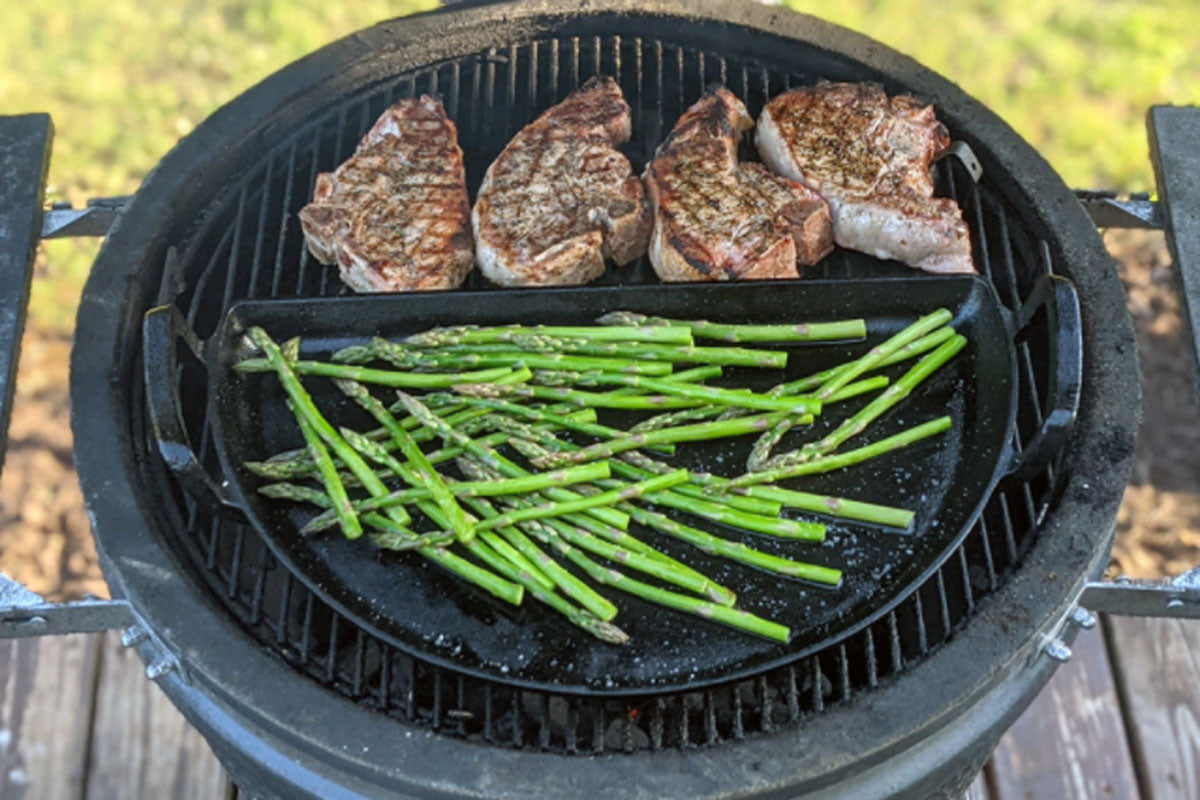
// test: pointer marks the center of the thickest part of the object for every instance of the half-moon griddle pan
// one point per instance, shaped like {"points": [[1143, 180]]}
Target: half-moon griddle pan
{"points": [[418, 608]]}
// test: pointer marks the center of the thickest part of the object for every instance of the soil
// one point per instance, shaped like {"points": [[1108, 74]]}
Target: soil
{"points": [[46, 542]]}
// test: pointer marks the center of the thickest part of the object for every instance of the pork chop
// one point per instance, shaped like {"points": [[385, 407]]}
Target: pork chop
{"points": [[560, 198], [718, 219], [395, 215], [869, 156]]}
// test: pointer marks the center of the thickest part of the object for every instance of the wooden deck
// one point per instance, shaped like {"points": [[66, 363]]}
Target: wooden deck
{"points": [[79, 719]]}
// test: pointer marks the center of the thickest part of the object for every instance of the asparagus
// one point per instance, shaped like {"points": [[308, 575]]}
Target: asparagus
{"points": [[393, 533], [564, 580], [339, 500], [382, 377], [704, 329], [303, 408], [493, 550], [499, 462], [736, 551], [857, 388], [712, 394], [663, 570], [611, 497], [857, 422], [422, 472], [683, 433], [535, 482], [671, 419], [879, 352], [727, 356], [837, 461], [579, 398], [440, 337], [913, 348], [732, 617], [467, 357], [765, 443]]}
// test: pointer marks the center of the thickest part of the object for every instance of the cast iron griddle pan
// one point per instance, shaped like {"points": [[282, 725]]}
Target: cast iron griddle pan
{"points": [[417, 607]]}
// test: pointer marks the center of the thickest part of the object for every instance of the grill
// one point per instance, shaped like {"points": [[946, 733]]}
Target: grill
{"points": [[299, 700]]}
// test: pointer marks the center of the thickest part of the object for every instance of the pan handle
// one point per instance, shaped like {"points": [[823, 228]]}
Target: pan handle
{"points": [[162, 327], [1057, 296]]}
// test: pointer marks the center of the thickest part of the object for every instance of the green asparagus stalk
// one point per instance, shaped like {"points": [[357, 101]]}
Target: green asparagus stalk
{"points": [[727, 356], [802, 404], [579, 398], [303, 407], [339, 500], [725, 615], [703, 329], [423, 472], [616, 495], [839, 460], [735, 551], [382, 377], [392, 534], [569, 585], [683, 433], [879, 352], [441, 337], [865, 386], [671, 419], [535, 482], [857, 422], [499, 462], [662, 569], [473, 356], [914, 348]]}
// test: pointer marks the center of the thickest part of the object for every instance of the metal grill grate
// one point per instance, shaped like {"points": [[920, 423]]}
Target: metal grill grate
{"points": [[248, 244]]}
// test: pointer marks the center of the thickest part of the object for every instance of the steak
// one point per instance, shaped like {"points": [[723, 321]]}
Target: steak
{"points": [[718, 219], [869, 156], [395, 215], [560, 198]]}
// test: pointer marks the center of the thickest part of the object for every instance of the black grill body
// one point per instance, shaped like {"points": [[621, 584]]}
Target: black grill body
{"points": [[299, 702]]}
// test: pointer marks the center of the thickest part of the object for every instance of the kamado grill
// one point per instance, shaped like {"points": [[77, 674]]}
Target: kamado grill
{"points": [[305, 688]]}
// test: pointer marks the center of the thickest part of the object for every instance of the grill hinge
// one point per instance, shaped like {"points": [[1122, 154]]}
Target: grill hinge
{"points": [[61, 220]]}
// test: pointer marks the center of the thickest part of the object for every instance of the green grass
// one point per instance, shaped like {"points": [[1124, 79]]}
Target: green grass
{"points": [[124, 79]]}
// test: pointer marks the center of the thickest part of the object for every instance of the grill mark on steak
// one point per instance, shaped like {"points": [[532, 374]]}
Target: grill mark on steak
{"points": [[869, 157], [718, 219], [561, 198], [394, 216]]}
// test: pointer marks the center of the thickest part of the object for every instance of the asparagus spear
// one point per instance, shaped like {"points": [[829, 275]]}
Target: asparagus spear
{"points": [[499, 462], [474, 356], [857, 422], [735, 551], [422, 471], [461, 489], [797, 403], [913, 348], [492, 550], [383, 377], [623, 492], [579, 398], [728, 356], [683, 433], [339, 500], [302, 406], [393, 533], [839, 460], [879, 352], [703, 329], [608, 576], [440, 337], [564, 580]]}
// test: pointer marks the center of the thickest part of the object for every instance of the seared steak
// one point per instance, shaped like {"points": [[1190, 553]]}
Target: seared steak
{"points": [[869, 156], [718, 219], [560, 198], [394, 216]]}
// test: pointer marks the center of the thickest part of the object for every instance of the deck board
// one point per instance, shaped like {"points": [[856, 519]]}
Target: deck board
{"points": [[141, 745], [1070, 744], [1158, 668], [47, 687]]}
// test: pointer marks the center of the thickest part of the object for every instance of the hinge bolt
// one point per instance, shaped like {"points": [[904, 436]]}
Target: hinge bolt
{"points": [[132, 635], [1058, 650], [159, 667], [1084, 618], [1174, 602]]}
